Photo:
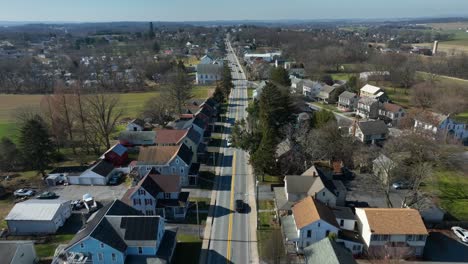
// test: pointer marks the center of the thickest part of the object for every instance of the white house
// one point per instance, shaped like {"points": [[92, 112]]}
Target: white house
{"points": [[313, 221], [372, 91], [296, 84], [18, 252], [33, 217], [368, 108], [206, 60], [369, 131], [347, 101], [392, 232], [391, 113], [135, 125], [268, 57], [98, 174], [208, 73], [429, 123], [311, 89]]}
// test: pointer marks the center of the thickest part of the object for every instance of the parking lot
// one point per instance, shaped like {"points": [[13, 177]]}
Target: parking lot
{"points": [[365, 188], [100, 193]]}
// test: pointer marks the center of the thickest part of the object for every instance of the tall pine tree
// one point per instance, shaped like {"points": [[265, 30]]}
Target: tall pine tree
{"points": [[151, 34], [36, 147]]}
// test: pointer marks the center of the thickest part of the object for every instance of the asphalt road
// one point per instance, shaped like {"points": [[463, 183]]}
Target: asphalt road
{"points": [[232, 235]]}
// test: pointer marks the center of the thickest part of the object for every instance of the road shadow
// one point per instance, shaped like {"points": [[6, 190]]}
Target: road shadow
{"points": [[224, 183], [219, 211], [214, 257], [441, 248], [187, 252]]}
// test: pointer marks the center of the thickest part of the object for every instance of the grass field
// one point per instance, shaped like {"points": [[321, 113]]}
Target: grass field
{"points": [[132, 103], [460, 41], [450, 187]]}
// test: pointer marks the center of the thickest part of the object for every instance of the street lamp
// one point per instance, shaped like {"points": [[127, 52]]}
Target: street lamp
{"points": [[256, 200]]}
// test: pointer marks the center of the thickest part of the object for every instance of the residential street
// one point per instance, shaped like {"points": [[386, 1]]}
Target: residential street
{"points": [[233, 234]]}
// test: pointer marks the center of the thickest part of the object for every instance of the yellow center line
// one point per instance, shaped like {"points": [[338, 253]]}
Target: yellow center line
{"points": [[231, 206]]}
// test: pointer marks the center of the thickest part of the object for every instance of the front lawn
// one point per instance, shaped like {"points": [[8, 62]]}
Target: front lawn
{"points": [[47, 249], [266, 205]]}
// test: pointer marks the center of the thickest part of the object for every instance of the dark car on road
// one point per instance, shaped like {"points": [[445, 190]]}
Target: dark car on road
{"points": [[47, 195]]}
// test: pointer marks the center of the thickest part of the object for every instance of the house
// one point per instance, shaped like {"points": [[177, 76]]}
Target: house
{"points": [[391, 113], [168, 160], [158, 194], [35, 217], [117, 155], [374, 92], [116, 234], [368, 108], [456, 128], [328, 94], [61, 174], [347, 101], [136, 125], [268, 57], [369, 131], [392, 232], [310, 183], [174, 137], [137, 138], [18, 252], [187, 123], [208, 73], [298, 72], [311, 89], [206, 60], [97, 174], [429, 123], [310, 222], [328, 251], [296, 84]]}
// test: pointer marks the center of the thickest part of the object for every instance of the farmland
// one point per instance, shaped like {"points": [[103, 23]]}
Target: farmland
{"points": [[459, 42], [132, 103]]}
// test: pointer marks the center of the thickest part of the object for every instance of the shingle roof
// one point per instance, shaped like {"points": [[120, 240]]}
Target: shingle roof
{"points": [[298, 184], [103, 168], [146, 137], [391, 107], [170, 136], [185, 154], [327, 251], [140, 227], [367, 100], [158, 155], [343, 212], [347, 95], [309, 210], [194, 136], [373, 127], [327, 89], [394, 221], [209, 69], [8, 249], [138, 122], [36, 210], [154, 184]]}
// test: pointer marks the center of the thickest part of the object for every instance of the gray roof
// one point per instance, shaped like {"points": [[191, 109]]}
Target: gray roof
{"points": [[347, 95], [8, 249], [328, 89], [327, 251], [103, 168], [298, 183], [367, 100], [209, 69], [137, 137], [343, 212], [36, 210], [194, 136], [289, 228], [373, 127], [281, 201]]}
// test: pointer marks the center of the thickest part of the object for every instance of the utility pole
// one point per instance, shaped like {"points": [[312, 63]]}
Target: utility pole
{"points": [[198, 220]]}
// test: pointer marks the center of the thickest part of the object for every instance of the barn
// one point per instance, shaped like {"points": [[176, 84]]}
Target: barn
{"points": [[34, 217], [117, 155]]}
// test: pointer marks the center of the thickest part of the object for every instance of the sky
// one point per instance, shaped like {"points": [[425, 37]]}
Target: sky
{"points": [[207, 10]]}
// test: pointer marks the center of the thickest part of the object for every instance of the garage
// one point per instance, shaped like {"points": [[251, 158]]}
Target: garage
{"points": [[97, 174]]}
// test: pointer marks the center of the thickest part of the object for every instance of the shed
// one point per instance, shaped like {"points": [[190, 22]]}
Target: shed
{"points": [[35, 217], [117, 155]]}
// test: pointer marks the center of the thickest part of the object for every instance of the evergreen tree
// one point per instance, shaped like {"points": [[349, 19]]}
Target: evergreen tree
{"points": [[226, 81], [35, 145], [321, 118], [218, 94], [264, 158], [274, 108], [9, 155], [151, 34], [280, 76], [156, 47]]}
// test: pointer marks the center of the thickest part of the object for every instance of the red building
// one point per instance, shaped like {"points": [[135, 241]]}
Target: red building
{"points": [[117, 155]]}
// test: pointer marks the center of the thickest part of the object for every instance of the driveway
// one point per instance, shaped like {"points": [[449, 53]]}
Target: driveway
{"points": [[365, 188], [100, 193]]}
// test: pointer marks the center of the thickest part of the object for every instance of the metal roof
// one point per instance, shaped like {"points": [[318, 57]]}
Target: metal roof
{"points": [[36, 210]]}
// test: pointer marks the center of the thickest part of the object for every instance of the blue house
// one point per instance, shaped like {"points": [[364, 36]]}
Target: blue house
{"points": [[116, 234]]}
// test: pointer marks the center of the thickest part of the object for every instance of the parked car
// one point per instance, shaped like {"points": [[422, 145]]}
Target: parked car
{"points": [[47, 195], [461, 233], [77, 204], [115, 179], [239, 206], [401, 185], [24, 193]]}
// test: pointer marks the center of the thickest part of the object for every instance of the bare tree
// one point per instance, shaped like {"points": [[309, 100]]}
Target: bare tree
{"points": [[158, 110], [178, 90], [104, 110], [423, 95], [62, 104]]}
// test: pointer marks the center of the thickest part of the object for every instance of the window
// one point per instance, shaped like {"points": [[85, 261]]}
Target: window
{"points": [[102, 245], [167, 195], [420, 238], [177, 161], [114, 257], [150, 201], [323, 193], [309, 233], [81, 245], [181, 170], [140, 250], [173, 170], [341, 222], [410, 238], [100, 256], [357, 248], [318, 224]]}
